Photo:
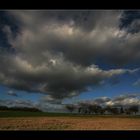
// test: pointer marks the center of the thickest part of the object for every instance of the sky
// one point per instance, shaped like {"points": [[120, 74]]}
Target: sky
{"points": [[53, 57]]}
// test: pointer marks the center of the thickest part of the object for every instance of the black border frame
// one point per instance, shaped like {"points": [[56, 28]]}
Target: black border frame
{"points": [[70, 5]]}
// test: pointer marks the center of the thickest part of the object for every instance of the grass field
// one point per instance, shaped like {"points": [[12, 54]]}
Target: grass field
{"points": [[20, 120]]}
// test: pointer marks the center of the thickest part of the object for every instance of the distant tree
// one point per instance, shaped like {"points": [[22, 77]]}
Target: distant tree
{"points": [[127, 111], [121, 110], [108, 109], [134, 109], [83, 108], [70, 107], [102, 111], [87, 108], [93, 108], [79, 109], [112, 110], [20, 109], [98, 109], [3, 108]]}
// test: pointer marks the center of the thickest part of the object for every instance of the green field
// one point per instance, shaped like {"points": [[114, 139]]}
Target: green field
{"points": [[6, 114], [29, 114]]}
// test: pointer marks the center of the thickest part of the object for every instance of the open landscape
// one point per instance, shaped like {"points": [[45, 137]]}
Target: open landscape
{"points": [[69, 70], [63, 121]]}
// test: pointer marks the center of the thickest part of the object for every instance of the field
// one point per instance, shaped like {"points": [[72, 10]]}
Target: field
{"points": [[12, 120]]}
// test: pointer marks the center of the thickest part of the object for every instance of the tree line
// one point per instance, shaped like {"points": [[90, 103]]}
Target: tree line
{"points": [[84, 108], [5, 108]]}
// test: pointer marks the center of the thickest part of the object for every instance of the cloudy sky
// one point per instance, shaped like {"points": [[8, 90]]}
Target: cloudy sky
{"points": [[54, 57]]}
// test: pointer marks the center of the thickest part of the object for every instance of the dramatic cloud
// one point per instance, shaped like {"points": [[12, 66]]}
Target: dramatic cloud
{"points": [[56, 52], [80, 36], [58, 78], [79, 45]]}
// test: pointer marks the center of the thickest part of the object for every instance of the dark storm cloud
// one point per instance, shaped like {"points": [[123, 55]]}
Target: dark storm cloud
{"points": [[56, 51], [80, 36], [80, 41], [50, 21], [85, 19], [58, 78]]}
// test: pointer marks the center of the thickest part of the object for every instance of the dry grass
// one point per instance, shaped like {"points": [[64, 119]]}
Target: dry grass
{"points": [[69, 123]]}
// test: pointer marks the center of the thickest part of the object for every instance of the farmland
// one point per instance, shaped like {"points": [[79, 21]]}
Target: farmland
{"points": [[20, 120]]}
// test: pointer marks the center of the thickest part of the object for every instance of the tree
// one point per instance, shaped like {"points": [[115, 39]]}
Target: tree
{"points": [[83, 108], [70, 107], [3, 108], [134, 109], [112, 110], [79, 110], [108, 109], [121, 110], [93, 108], [97, 109], [102, 111], [127, 111], [20, 109]]}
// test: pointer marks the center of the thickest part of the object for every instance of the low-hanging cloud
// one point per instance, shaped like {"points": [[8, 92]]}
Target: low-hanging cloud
{"points": [[122, 100], [17, 103], [125, 100]]}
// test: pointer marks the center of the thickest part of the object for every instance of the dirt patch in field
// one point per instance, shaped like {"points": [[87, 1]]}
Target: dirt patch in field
{"points": [[69, 123]]}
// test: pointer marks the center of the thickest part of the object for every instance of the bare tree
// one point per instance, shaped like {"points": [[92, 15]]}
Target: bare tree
{"points": [[134, 109], [70, 107], [83, 108], [121, 110]]}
